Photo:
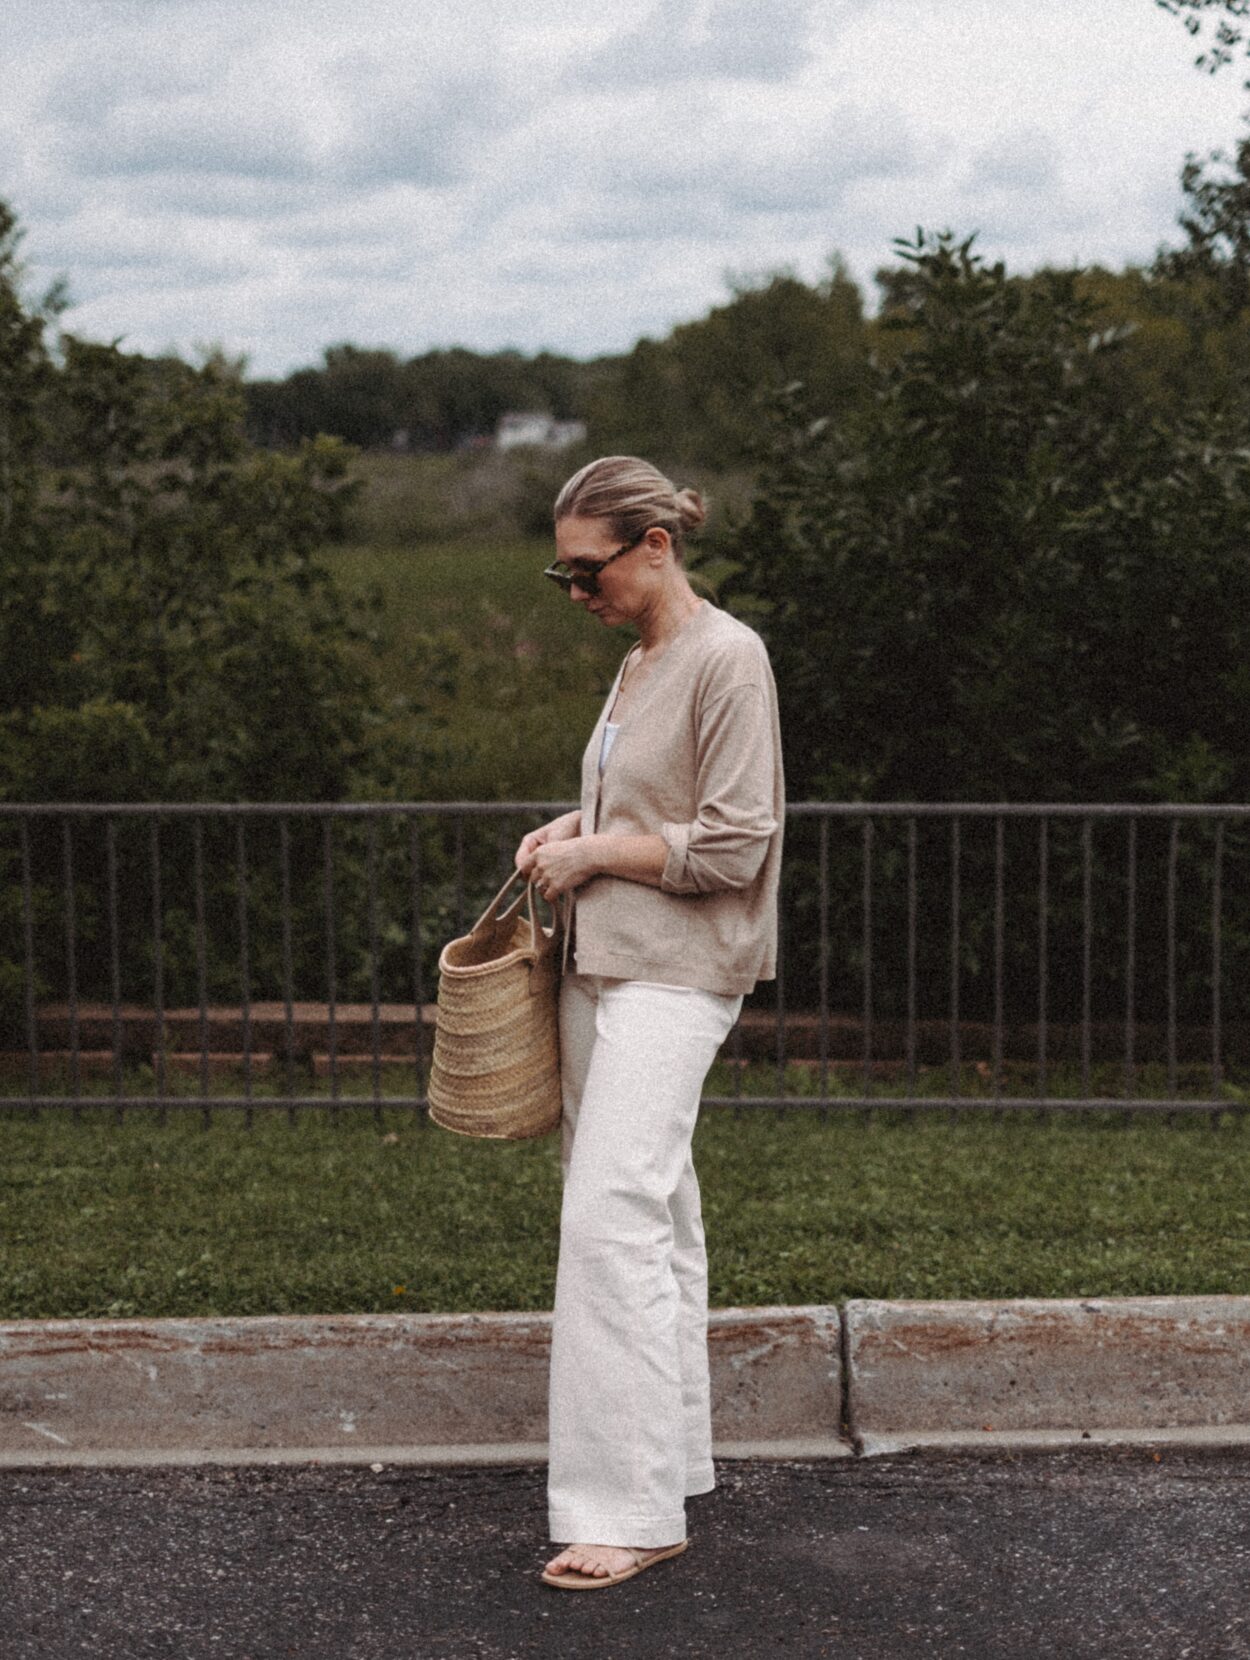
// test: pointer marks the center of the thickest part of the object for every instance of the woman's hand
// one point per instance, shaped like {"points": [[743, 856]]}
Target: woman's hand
{"points": [[557, 858], [560, 829], [560, 866]]}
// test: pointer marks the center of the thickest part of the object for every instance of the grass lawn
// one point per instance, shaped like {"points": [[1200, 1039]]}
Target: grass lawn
{"points": [[349, 1214]]}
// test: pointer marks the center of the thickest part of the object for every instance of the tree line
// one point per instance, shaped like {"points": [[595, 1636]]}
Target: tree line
{"points": [[692, 396]]}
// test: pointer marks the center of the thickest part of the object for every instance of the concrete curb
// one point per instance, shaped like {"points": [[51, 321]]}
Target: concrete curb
{"points": [[1045, 1372], [471, 1389], [372, 1388]]}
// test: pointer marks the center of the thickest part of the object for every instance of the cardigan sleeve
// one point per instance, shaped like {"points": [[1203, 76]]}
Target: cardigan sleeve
{"points": [[726, 843]]}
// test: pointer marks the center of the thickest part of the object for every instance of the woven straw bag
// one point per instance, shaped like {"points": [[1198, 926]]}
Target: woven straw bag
{"points": [[496, 1065]]}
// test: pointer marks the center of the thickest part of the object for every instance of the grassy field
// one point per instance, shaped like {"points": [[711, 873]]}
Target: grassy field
{"points": [[368, 1211]]}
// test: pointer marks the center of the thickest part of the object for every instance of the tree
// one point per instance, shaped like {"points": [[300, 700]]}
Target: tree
{"points": [[697, 396], [29, 627], [23, 379], [167, 629], [163, 577], [1215, 262], [1000, 578], [1227, 34]]}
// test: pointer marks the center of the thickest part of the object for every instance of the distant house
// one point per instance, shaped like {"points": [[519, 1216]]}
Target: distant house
{"points": [[520, 427]]}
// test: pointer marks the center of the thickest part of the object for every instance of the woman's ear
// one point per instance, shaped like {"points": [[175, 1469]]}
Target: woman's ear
{"points": [[658, 543]]}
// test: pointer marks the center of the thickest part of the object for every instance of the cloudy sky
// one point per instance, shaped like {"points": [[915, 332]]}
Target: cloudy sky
{"points": [[279, 175]]}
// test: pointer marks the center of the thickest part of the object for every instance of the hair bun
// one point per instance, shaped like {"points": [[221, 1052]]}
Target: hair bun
{"points": [[632, 495], [691, 508]]}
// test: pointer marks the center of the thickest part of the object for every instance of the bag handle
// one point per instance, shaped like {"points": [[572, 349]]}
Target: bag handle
{"points": [[490, 916], [544, 965]]}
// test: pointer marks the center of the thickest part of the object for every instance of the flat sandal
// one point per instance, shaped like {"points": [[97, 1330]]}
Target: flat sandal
{"points": [[575, 1580]]}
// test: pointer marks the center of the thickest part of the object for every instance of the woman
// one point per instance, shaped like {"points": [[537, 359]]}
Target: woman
{"points": [[673, 863]]}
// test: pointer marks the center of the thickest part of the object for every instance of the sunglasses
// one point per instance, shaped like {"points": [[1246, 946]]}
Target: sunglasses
{"points": [[585, 572]]}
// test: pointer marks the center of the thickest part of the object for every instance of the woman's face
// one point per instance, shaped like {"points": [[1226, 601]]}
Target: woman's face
{"points": [[623, 585]]}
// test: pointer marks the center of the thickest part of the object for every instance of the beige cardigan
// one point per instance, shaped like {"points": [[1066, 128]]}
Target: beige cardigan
{"points": [[697, 760]]}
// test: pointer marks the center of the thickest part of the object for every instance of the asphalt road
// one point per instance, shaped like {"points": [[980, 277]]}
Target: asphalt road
{"points": [[1114, 1553]]}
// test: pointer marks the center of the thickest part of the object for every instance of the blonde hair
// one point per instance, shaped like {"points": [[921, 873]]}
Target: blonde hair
{"points": [[631, 495]]}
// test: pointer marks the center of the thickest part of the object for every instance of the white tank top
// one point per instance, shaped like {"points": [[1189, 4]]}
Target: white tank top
{"points": [[610, 729]]}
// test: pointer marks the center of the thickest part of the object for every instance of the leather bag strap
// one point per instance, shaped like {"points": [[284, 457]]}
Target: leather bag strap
{"points": [[546, 960]]}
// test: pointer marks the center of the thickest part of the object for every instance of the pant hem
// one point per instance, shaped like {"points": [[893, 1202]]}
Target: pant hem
{"points": [[700, 1481], [585, 1527]]}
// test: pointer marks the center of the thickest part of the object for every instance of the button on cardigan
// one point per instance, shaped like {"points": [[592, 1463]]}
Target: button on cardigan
{"points": [[697, 760]]}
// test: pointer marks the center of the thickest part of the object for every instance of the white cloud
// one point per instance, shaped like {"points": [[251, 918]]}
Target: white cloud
{"points": [[399, 121], [1026, 159], [694, 41]]}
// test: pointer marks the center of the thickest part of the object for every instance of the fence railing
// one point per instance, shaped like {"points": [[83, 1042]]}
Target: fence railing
{"points": [[1037, 957]]}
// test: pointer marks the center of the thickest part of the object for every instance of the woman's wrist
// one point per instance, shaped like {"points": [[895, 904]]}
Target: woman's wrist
{"points": [[637, 858], [565, 827]]}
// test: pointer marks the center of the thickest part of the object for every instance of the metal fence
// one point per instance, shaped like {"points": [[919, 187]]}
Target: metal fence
{"points": [[1037, 957]]}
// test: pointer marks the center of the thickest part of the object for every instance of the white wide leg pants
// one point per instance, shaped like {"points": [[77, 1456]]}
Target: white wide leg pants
{"points": [[630, 1427]]}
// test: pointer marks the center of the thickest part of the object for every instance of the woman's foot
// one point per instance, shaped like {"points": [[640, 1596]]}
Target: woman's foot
{"points": [[585, 1565], [595, 1561]]}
